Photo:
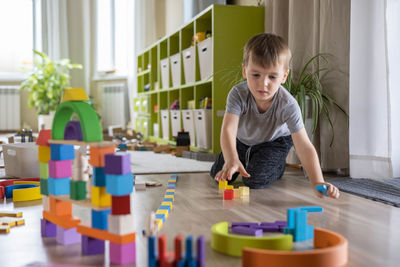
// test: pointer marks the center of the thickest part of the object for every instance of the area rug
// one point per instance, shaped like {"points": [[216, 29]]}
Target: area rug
{"points": [[148, 162], [382, 190]]}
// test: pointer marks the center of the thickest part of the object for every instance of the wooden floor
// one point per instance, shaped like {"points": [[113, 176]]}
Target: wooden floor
{"points": [[372, 228]]}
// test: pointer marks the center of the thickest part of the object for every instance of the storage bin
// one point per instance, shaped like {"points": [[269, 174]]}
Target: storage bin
{"points": [[144, 104], [188, 64], [164, 73], [155, 130], [205, 58], [176, 69], [176, 125], [145, 126], [165, 124], [136, 104], [188, 125], [203, 126], [21, 160]]}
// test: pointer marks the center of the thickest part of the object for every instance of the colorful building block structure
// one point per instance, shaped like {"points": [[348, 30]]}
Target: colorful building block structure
{"points": [[63, 182]]}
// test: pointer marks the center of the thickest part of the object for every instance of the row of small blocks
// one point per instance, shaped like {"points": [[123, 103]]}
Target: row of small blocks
{"points": [[230, 192], [167, 203]]}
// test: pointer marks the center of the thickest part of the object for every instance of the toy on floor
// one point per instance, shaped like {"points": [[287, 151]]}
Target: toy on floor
{"points": [[230, 193], [9, 219], [25, 189], [322, 189]]}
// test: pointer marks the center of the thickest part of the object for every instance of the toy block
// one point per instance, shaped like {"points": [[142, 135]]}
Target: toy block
{"points": [[60, 168], [119, 185], [92, 246], [118, 163], [162, 250], [97, 155], [174, 176], [59, 207], [161, 216], [77, 190], [121, 224], [171, 186], [62, 152], [268, 228], [236, 193], [222, 184], [228, 194], [46, 203], [9, 190], [12, 221], [140, 186], [9, 213], [120, 205], [122, 254], [189, 258], [100, 198], [99, 178], [63, 221], [172, 181], [44, 136], [167, 203], [44, 186], [242, 230], [44, 154], [322, 189], [74, 94], [73, 131], [85, 229], [229, 187], [169, 196], [159, 223], [170, 193], [297, 223], [4, 229], [58, 186], [165, 207], [100, 219], [2, 192], [47, 228], [171, 190], [44, 170], [168, 199], [27, 182], [178, 248], [67, 236], [161, 211], [152, 251], [27, 194], [244, 191], [201, 251], [246, 224]]}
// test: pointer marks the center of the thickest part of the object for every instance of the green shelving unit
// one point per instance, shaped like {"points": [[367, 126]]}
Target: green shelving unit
{"points": [[230, 27]]}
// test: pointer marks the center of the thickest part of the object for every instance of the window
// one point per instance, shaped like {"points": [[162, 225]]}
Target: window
{"points": [[112, 32], [20, 33]]}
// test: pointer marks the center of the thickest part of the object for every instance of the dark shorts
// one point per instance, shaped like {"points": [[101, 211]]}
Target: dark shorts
{"points": [[264, 162]]}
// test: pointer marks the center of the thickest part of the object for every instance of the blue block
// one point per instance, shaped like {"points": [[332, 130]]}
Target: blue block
{"points": [[152, 247], [62, 152], [119, 185], [161, 216], [297, 223], [58, 186], [171, 185], [169, 200], [99, 219], [170, 193], [99, 178], [189, 249], [322, 189], [165, 207]]}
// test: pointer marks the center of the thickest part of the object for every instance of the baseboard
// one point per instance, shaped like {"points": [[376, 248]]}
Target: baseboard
{"points": [[370, 167]]}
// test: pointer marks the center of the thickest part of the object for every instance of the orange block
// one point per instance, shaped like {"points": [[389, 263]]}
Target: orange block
{"points": [[63, 221], [104, 235], [59, 207], [97, 155], [44, 136]]}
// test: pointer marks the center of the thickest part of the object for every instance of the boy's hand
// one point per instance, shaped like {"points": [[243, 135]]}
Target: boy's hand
{"points": [[331, 191], [229, 169]]}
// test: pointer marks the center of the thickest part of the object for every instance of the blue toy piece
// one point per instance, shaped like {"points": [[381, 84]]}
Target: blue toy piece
{"points": [[100, 219], [161, 216], [119, 185], [152, 246], [10, 188], [297, 223], [99, 178], [62, 152], [58, 186], [165, 207], [322, 189]]}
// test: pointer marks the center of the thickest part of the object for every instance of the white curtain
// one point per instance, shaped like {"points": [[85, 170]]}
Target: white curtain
{"points": [[374, 92]]}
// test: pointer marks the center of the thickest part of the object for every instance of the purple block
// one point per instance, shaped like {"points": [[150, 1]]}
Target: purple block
{"points": [[60, 168], [246, 224], [48, 229], [268, 228], [67, 236], [243, 230], [201, 252], [92, 246], [281, 223], [73, 131], [118, 163], [122, 254]]}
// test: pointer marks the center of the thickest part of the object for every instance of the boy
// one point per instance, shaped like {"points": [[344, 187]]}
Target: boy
{"points": [[263, 120]]}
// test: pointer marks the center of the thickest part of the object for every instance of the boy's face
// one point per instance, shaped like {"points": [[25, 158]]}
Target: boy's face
{"points": [[264, 82]]}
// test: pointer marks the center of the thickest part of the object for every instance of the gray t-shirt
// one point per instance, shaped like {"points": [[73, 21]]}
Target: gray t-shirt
{"points": [[282, 118]]}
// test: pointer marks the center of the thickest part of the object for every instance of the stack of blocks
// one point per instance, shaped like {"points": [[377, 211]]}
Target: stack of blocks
{"points": [[175, 258], [232, 193], [297, 223]]}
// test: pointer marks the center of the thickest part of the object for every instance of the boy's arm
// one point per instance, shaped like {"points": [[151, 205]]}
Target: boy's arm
{"points": [[228, 146], [309, 159]]}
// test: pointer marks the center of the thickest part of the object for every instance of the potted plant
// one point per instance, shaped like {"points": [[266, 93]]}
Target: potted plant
{"points": [[46, 85]]}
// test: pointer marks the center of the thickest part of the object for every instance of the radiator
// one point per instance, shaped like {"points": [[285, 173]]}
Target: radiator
{"points": [[10, 115], [113, 106]]}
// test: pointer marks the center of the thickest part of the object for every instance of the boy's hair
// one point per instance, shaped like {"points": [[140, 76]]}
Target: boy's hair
{"points": [[267, 49]]}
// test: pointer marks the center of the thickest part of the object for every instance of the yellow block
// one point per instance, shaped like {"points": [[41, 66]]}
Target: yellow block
{"points": [[11, 221], [4, 229], [26, 194], [163, 212], [236, 193], [229, 187], [169, 196], [244, 191], [222, 184], [171, 181], [170, 190], [166, 203], [99, 197], [74, 94], [10, 213], [159, 223], [44, 154], [27, 182]]}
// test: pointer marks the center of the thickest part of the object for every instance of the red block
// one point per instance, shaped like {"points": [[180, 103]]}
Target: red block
{"points": [[228, 194], [120, 205], [44, 136], [178, 248]]}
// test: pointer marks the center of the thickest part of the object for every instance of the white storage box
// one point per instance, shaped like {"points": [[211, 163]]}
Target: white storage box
{"points": [[188, 64], [21, 160], [176, 69], [188, 125], [164, 73], [155, 130], [205, 58], [203, 123], [176, 125], [165, 124]]}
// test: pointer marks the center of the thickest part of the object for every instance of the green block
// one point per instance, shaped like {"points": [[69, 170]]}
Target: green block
{"points": [[77, 190], [43, 186], [44, 170]]}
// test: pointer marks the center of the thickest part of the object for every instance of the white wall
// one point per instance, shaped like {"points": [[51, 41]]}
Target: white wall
{"points": [[371, 123]]}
